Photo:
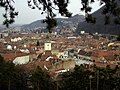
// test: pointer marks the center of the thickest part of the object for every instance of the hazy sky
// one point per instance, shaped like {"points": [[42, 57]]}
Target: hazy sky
{"points": [[27, 15]]}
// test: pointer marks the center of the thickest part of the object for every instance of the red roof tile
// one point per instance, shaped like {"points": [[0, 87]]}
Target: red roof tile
{"points": [[12, 56], [103, 65]]}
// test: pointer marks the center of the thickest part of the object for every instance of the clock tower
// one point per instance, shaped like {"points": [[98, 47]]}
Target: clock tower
{"points": [[47, 46]]}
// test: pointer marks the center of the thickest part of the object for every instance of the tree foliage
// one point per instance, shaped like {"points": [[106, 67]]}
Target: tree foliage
{"points": [[11, 77], [40, 80], [118, 38], [95, 79], [81, 78], [14, 78], [48, 7], [10, 12]]}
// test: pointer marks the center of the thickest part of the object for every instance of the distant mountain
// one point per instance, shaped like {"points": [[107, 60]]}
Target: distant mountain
{"points": [[60, 22], [35, 24], [77, 18], [12, 27], [99, 25]]}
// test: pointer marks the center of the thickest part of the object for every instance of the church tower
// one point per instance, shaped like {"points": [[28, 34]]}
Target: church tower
{"points": [[47, 46]]}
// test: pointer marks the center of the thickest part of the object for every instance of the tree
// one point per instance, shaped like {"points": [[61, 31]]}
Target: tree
{"points": [[10, 12], [48, 6], [40, 80], [38, 43], [76, 80], [96, 78], [118, 38], [11, 77]]}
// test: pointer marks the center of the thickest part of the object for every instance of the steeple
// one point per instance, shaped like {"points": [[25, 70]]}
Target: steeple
{"points": [[47, 46]]}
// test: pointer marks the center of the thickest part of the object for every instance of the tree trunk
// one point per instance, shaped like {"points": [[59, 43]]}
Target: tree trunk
{"points": [[38, 85], [9, 84], [97, 80]]}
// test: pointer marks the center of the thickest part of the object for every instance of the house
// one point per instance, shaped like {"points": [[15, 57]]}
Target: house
{"points": [[84, 54], [16, 39], [62, 66], [21, 60], [109, 56], [16, 58], [104, 65], [48, 56]]}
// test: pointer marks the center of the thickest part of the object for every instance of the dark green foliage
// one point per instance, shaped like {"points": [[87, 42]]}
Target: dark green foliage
{"points": [[117, 20], [14, 78], [100, 26], [94, 79], [40, 80], [107, 19], [76, 80], [118, 38], [38, 43], [90, 19], [81, 78], [112, 8], [48, 7], [10, 12], [39, 56], [51, 23], [11, 77]]}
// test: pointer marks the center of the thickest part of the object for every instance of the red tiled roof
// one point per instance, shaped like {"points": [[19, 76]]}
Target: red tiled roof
{"points": [[104, 53], [12, 56], [33, 65], [110, 58], [48, 54], [103, 65], [39, 52]]}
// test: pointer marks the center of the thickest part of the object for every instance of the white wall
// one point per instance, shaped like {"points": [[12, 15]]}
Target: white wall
{"points": [[47, 46], [21, 60]]}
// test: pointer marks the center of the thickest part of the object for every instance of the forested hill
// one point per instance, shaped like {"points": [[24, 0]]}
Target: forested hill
{"points": [[60, 22], [99, 26]]}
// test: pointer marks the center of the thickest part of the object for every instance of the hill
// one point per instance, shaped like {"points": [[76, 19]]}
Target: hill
{"points": [[99, 25], [61, 22]]}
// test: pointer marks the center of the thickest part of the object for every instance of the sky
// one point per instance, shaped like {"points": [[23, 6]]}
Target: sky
{"points": [[27, 15]]}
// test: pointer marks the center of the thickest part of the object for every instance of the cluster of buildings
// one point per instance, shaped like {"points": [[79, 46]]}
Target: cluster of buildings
{"points": [[59, 53]]}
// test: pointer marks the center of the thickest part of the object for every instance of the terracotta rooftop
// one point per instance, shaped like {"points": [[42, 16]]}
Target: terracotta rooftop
{"points": [[48, 54], [33, 65], [104, 53], [103, 65], [39, 51], [12, 56]]}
